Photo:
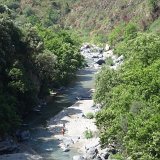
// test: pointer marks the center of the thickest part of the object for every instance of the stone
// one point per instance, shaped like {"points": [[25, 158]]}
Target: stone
{"points": [[105, 55], [75, 139], [81, 115], [93, 144], [121, 58], [100, 61], [67, 141], [95, 56], [91, 153], [78, 157], [66, 149], [107, 47], [110, 52], [106, 155], [98, 158]]}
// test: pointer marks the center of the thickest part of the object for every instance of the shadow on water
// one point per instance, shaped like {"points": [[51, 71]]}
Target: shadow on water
{"points": [[42, 140]]}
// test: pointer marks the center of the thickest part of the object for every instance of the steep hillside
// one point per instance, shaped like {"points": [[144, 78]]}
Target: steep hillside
{"points": [[48, 12], [99, 17]]}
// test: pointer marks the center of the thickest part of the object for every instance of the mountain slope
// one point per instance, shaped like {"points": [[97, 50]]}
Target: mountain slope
{"points": [[100, 17]]}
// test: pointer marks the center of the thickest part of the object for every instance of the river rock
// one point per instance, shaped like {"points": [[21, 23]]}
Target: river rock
{"points": [[120, 58], [91, 153], [85, 46], [78, 157], [95, 143], [107, 47], [109, 53], [66, 149], [67, 141], [105, 155], [75, 139], [100, 61], [98, 158]]}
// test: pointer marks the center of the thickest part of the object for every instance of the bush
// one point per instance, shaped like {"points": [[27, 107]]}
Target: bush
{"points": [[152, 3], [90, 115], [130, 98], [109, 61], [28, 11], [14, 5], [88, 134]]}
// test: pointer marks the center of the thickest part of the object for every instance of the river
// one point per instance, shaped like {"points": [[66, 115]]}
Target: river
{"points": [[42, 141]]}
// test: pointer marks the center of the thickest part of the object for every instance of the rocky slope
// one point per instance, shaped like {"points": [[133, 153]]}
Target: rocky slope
{"points": [[99, 16]]}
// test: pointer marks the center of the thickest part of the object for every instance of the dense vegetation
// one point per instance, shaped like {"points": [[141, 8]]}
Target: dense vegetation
{"points": [[34, 59], [129, 96]]}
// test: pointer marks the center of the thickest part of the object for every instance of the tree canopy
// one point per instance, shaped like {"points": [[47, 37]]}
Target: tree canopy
{"points": [[130, 99]]}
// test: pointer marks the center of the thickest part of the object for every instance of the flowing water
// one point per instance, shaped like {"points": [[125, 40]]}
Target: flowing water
{"points": [[42, 140]]}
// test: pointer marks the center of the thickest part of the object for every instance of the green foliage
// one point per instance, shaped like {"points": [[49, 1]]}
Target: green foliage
{"points": [[90, 115], [124, 31], [8, 117], [32, 61], [46, 66], [152, 3], [88, 134], [155, 26], [109, 61], [117, 157], [28, 11], [130, 99], [66, 47], [18, 82]]}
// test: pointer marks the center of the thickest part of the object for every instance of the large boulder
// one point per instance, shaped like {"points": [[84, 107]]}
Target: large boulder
{"points": [[100, 61]]}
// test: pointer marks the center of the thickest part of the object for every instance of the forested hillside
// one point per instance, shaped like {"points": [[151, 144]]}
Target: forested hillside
{"points": [[130, 99], [129, 95], [46, 12], [34, 59]]}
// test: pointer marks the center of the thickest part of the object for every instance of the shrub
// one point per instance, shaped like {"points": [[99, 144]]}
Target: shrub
{"points": [[88, 134], [28, 11], [109, 61], [90, 115], [130, 99]]}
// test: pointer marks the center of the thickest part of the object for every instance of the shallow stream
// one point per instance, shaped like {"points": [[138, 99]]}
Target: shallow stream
{"points": [[42, 140]]}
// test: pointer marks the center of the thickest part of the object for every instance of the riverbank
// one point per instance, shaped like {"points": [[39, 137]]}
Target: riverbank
{"points": [[76, 123]]}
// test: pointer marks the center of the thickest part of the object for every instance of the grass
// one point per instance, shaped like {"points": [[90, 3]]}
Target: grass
{"points": [[155, 26], [90, 115], [88, 134]]}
